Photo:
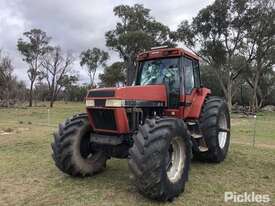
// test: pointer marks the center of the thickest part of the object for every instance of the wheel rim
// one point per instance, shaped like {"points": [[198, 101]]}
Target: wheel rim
{"points": [[223, 130], [176, 159]]}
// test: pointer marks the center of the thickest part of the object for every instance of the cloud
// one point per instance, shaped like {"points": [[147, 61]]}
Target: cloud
{"points": [[78, 25]]}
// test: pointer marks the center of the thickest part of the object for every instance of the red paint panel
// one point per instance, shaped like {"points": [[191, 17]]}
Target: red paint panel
{"points": [[148, 92], [196, 99], [90, 118], [121, 121]]}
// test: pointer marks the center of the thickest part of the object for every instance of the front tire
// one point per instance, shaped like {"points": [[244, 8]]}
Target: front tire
{"points": [[160, 158], [72, 151]]}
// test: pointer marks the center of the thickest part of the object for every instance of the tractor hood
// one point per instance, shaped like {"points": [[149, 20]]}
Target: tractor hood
{"points": [[132, 96]]}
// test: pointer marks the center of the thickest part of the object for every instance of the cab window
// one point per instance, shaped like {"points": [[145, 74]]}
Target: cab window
{"points": [[188, 75], [197, 80], [160, 71]]}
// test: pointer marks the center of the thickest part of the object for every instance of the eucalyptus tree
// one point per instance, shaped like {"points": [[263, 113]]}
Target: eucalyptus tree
{"points": [[217, 32], [136, 31], [33, 46], [93, 59]]}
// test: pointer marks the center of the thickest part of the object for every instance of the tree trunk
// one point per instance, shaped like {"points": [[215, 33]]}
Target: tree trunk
{"points": [[255, 86], [130, 73], [30, 94], [8, 96], [52, 97], [261, 103], [229, 96], [51, 102], [226, 87], [93, 79], [52, 90]]}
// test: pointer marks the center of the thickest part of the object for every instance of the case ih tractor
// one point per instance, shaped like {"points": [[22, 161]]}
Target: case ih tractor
{"points": [[158, 124]]}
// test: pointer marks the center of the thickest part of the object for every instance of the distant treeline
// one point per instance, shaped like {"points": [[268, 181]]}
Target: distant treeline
{"points": [[235, 40]]}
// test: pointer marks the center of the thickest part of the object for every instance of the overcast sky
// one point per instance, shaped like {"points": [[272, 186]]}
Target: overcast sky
{"points": [[78, 25]]}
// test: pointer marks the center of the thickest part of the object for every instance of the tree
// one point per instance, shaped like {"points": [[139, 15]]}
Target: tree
{"points": [[137, 31], [93, 59], [56, 71], [266, 87], [113, 75], [6, 78], [218, 31], [259, 45], [75, 92], [33, 49], [209, 80], [11, 90], [6, 69], [41, 91]]}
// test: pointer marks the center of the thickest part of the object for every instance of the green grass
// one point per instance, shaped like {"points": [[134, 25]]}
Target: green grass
{"points": [[28, 175], [264, 124]]}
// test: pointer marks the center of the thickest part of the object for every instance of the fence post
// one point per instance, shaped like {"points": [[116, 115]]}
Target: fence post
{"points": [[254, 132], [16, 117], [48, 117]]}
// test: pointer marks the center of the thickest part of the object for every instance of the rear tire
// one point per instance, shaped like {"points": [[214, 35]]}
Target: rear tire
{"points": [[160, 158], [215, 127], [72, 151]]}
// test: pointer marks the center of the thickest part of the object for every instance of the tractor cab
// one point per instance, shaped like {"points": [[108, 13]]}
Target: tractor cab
{"points": [[179, 71], [175, 68]]}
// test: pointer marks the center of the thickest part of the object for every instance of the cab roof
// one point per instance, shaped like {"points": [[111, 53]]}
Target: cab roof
{"points": [[160, 52]]}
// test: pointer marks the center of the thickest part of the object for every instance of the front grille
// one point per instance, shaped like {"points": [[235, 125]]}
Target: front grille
{"points": [[100, 102], [104, 119]]}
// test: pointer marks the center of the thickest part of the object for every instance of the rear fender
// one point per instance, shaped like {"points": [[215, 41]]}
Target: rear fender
{"points": [[196, 100]]}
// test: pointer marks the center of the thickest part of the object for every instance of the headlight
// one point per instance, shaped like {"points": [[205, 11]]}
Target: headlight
{"points": [[115, 103], [90, 103]]}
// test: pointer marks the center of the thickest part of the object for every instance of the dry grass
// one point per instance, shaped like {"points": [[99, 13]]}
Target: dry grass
{"points": [[243, 129], [28, 175]]}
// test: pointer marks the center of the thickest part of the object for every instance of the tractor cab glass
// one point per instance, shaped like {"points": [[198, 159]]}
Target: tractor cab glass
{"points": [[191, 75], [162, 71]]}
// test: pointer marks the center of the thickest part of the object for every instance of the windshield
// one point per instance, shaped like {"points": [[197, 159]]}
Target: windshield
{"points": [[159, 71]]}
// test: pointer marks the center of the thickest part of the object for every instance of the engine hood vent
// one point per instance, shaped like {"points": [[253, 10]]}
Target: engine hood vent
{"points": [[101, 93]]}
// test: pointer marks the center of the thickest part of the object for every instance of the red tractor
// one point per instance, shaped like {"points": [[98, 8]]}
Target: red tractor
{"points": [[158, 124]]}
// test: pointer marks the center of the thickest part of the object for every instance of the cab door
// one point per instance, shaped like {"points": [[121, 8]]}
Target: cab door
{"points": [[192, 84]]}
